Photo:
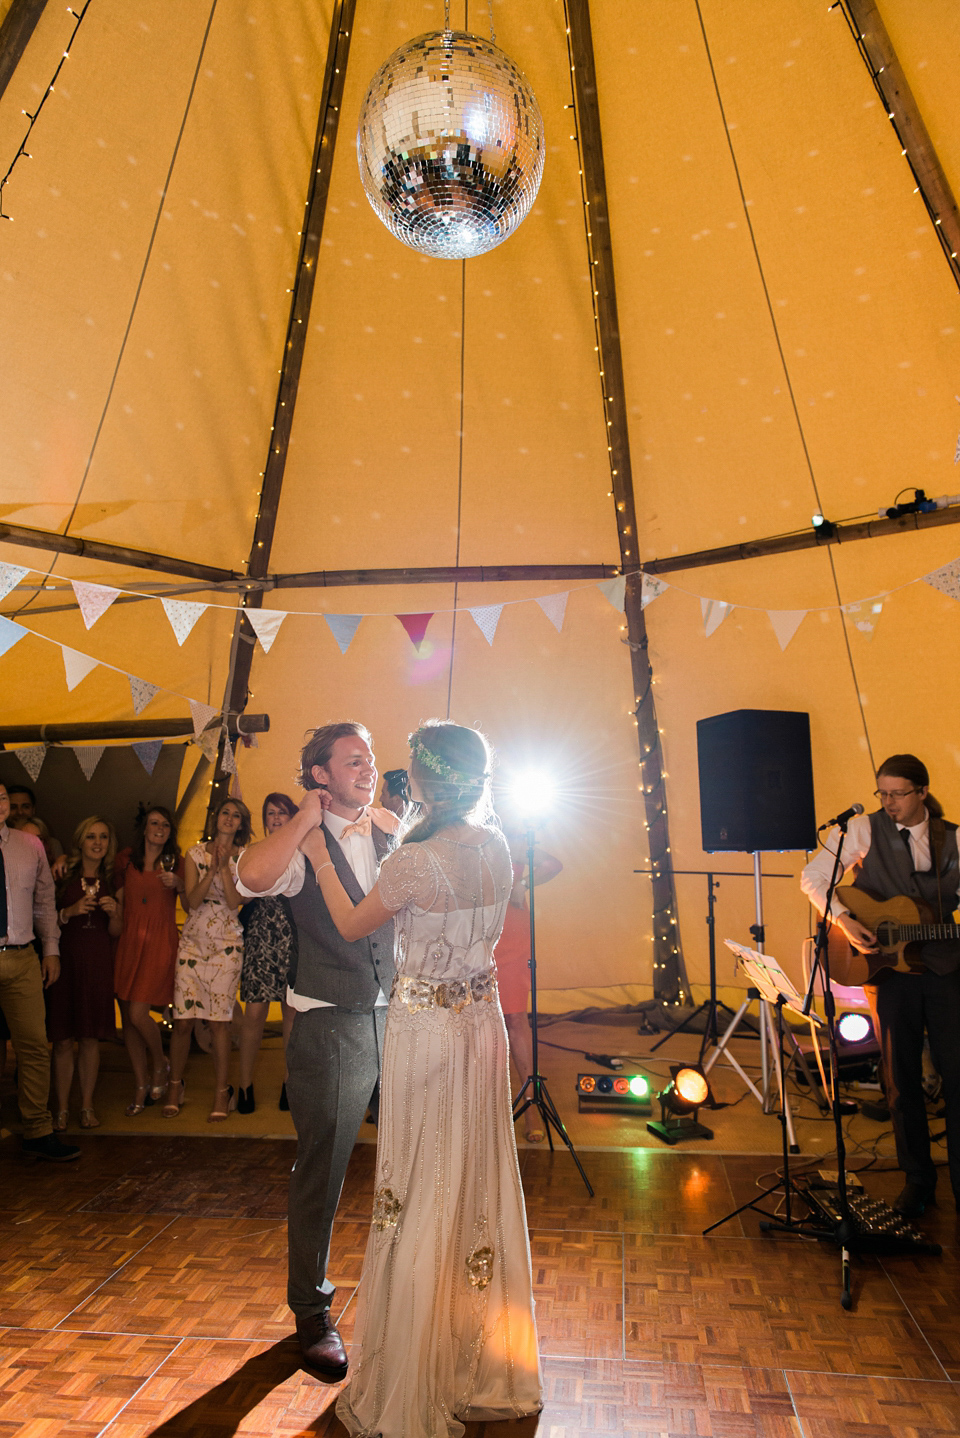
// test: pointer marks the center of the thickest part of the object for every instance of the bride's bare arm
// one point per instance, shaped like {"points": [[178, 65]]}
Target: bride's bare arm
{"points": [[354, 921]]}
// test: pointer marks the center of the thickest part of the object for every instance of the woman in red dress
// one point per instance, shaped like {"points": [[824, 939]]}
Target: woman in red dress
{"points": [[148, 877], [80, 1003], [512, 959]]}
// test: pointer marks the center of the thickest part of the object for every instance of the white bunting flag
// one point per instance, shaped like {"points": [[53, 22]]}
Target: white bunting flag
{"points": [[554, 607], [201, 715], [209, 742], [343, 627], [651, 589], [32, 758], [785, 623], [228, 762], [148, 752], [76, 666], [141, 693], [615, 590], [10, 633], [93, 599], [266, 625], [183, 615], [88, 757], [947, 579], [10, 577], [864, 616], [487, 617], [714, 612]]}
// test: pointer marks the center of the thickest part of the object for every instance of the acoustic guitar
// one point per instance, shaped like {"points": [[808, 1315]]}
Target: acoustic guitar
{"points": [[901, 925]]}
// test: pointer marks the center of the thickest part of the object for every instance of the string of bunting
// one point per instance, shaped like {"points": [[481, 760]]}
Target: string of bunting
{"points": [[93, 601]]}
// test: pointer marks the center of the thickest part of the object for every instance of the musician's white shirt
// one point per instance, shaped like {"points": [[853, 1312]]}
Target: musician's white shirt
{"points": [[815, 879]]}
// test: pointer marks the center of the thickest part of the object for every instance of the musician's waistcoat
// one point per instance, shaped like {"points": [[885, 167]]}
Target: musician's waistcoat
{"points": [[887, 870]]}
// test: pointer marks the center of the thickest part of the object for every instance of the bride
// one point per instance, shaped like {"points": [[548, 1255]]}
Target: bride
{"points": [[445, 1330]]}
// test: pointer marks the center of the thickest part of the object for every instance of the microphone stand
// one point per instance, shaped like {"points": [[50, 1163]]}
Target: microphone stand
{"points": [[539, 1096], [844, 1233]]}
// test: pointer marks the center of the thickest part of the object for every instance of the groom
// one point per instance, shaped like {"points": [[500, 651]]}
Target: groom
{"points": [[339, 991]]}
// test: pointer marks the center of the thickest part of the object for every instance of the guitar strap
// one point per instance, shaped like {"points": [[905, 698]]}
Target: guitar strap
{"points": [[938, 835]]}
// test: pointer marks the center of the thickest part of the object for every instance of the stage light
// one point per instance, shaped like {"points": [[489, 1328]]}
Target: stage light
{"points": [[854, 1028], [679, 1102], [531, 794], [604, 1093]]}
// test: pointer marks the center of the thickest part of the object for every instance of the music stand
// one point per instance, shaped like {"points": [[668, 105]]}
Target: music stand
{"points": [[776, 988]]}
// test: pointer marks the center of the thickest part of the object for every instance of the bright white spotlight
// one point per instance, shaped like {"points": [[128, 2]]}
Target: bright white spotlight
{"points": [[854, 1028], [532, 794]]}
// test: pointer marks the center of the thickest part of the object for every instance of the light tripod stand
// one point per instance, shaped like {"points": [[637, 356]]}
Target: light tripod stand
{"points": [[534, 1092]]}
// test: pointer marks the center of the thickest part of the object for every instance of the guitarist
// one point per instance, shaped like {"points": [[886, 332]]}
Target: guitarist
{"points": [[907, 847]]}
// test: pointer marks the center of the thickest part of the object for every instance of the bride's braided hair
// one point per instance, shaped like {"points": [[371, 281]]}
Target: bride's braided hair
{"points": [[451, 765]]}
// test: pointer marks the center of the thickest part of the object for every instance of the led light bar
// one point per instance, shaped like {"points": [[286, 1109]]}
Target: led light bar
{"points": [[613, 1093]]}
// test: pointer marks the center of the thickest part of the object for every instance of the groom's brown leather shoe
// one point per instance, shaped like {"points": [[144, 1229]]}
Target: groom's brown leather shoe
{"points": [[321, 1345]]}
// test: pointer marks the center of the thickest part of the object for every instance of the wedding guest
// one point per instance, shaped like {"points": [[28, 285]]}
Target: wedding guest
{"points": [[148, 879], [40, 831], [80, 1004], [210, 955], [269, 955], [23, 805]]}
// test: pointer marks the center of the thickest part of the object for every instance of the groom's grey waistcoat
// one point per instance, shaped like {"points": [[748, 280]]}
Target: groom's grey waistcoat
{"points": [[329, 968]]}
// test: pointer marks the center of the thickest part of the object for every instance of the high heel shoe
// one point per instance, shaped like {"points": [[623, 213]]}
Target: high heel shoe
{"points": [[157, 1090], [245, 1100], [141, 1094], [218, 1115], [173, 1106], [284, 1104]]}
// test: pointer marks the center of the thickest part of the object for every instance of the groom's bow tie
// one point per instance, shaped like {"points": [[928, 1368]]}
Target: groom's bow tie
{"points": [[362, 827]]}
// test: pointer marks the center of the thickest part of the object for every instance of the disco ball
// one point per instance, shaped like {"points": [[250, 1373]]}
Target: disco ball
{"points": [[450, 144]]}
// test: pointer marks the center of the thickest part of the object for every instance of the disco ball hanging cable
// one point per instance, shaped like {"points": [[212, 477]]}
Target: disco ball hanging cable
{"points": [[450, 143]]}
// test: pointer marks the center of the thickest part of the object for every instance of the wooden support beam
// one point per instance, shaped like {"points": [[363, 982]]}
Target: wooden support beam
{"points": [[881, 59], [669, 976], [331, 100], [99, 550], [18, 25], [804, 539], [131, 729], [443, 574]]}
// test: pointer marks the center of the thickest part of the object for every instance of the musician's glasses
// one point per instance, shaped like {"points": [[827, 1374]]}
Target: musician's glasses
{"points": [[884, 794]]}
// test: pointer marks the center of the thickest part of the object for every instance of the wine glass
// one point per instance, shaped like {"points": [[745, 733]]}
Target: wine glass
{"points": [[168, 862], [91, 888]]}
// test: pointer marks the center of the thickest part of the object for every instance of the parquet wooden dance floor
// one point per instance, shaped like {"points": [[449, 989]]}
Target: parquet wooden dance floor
{"points": [[142, 1291]]}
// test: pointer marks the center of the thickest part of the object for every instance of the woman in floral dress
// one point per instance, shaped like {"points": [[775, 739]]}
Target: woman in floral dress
{"points": [[210, 955]]}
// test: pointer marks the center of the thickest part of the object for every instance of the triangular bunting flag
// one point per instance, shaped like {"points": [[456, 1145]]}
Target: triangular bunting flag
{"points": [[10, 577], [32, 758], [651, 589], [88, 757], [865, 616], [343, 627], [148, 751], [93, 599], [554, 607], [266, 625], [416, 627], [714, 612], [141, 693], [785, 623], [209, 742], [229, 762], [615, 590], [76, 665], [947, 579], [183, 615], [10, 633], [488, 617], [201, 715]]}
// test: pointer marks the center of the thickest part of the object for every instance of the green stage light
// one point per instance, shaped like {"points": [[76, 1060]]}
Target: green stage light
{"points": [[609, 1093]]}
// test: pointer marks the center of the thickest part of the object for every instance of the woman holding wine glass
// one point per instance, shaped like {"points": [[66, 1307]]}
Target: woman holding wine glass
{"points": [[210, 955], [80, 1003], [148, 878]]}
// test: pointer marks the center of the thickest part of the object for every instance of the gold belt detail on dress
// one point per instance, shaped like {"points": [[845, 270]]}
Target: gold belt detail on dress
{"points": [[455, 994]]}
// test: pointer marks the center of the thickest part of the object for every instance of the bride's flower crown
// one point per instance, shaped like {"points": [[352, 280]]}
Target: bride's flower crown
{"points": [[444, 771]]}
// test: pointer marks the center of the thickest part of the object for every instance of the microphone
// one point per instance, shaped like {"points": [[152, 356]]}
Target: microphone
{"points": [[842, 818]]}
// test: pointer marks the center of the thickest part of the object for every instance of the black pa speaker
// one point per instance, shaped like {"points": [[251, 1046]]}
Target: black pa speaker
{"points": [[756, 781]]}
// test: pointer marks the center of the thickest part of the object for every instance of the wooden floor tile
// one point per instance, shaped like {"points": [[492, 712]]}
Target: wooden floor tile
{"points": [[71, 1382], [930, 1291], [204, 1177], [29, 1185], [770, 1304], [840, 1407], [51, 1263], [578, 1287]]}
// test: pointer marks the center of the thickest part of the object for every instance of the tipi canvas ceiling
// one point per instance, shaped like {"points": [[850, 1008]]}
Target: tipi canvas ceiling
{"points": [[788, 327]]}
